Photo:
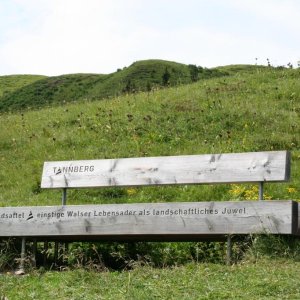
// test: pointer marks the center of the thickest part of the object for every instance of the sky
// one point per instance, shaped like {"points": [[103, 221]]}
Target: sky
{"points": [[55, 37]]}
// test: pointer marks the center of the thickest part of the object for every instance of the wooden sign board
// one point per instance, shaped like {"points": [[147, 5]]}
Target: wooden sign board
{"points": [[191, 169], [172, 221]]}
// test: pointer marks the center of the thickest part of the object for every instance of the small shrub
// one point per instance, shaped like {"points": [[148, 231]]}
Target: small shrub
{"points": [[9, 250], [275, 246]]}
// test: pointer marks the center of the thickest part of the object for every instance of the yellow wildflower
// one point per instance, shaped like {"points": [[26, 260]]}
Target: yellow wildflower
{"points": [[291, 190], [131, 191]]}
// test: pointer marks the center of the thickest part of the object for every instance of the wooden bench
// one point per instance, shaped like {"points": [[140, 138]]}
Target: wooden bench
{"points": [[172, 221]]}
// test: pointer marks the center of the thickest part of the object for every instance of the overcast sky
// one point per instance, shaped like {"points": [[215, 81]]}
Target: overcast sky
{"points": [[53, 37]]}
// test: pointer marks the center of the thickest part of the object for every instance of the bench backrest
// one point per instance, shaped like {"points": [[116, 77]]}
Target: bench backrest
{"points": [[191, 169], [158, 221]]}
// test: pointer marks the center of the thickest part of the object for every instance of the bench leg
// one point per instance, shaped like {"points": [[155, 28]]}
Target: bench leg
{"points": [[34, 253], [21, 270], [229, 250], [55, 253], [46, 245]]}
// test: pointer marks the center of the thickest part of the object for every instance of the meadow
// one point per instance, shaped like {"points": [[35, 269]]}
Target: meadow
{"points": [[266, 279], [250, 109]]}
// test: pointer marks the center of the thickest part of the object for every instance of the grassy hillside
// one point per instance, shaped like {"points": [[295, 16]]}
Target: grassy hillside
{"points": [[233, 69], [140, 76], [243, 112], [254, 109], [11, 83]]}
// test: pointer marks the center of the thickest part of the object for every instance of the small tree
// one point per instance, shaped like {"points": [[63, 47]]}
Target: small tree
{"points": [[148, 87], [130, 87], [166, 77], [194, 72]]}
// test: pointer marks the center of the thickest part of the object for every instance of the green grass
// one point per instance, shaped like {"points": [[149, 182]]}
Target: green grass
{"points": [[140, 76], [11, 83], [252, 109], [258, 111], [265, 279]]}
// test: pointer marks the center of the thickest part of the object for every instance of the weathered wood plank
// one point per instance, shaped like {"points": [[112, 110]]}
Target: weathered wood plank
{"points": [[192, 169], [141, 221]]}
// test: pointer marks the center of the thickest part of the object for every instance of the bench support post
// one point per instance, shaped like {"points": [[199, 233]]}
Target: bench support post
{"points": [[64, 197], [23, 254], [261, 191], [46, 246], [63, 203], [229, 250], [56, 253], [21, 270], [34, 253]]}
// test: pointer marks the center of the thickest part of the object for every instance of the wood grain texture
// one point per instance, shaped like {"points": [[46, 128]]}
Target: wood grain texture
{"points": [[191, 169], [141, 221]]}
